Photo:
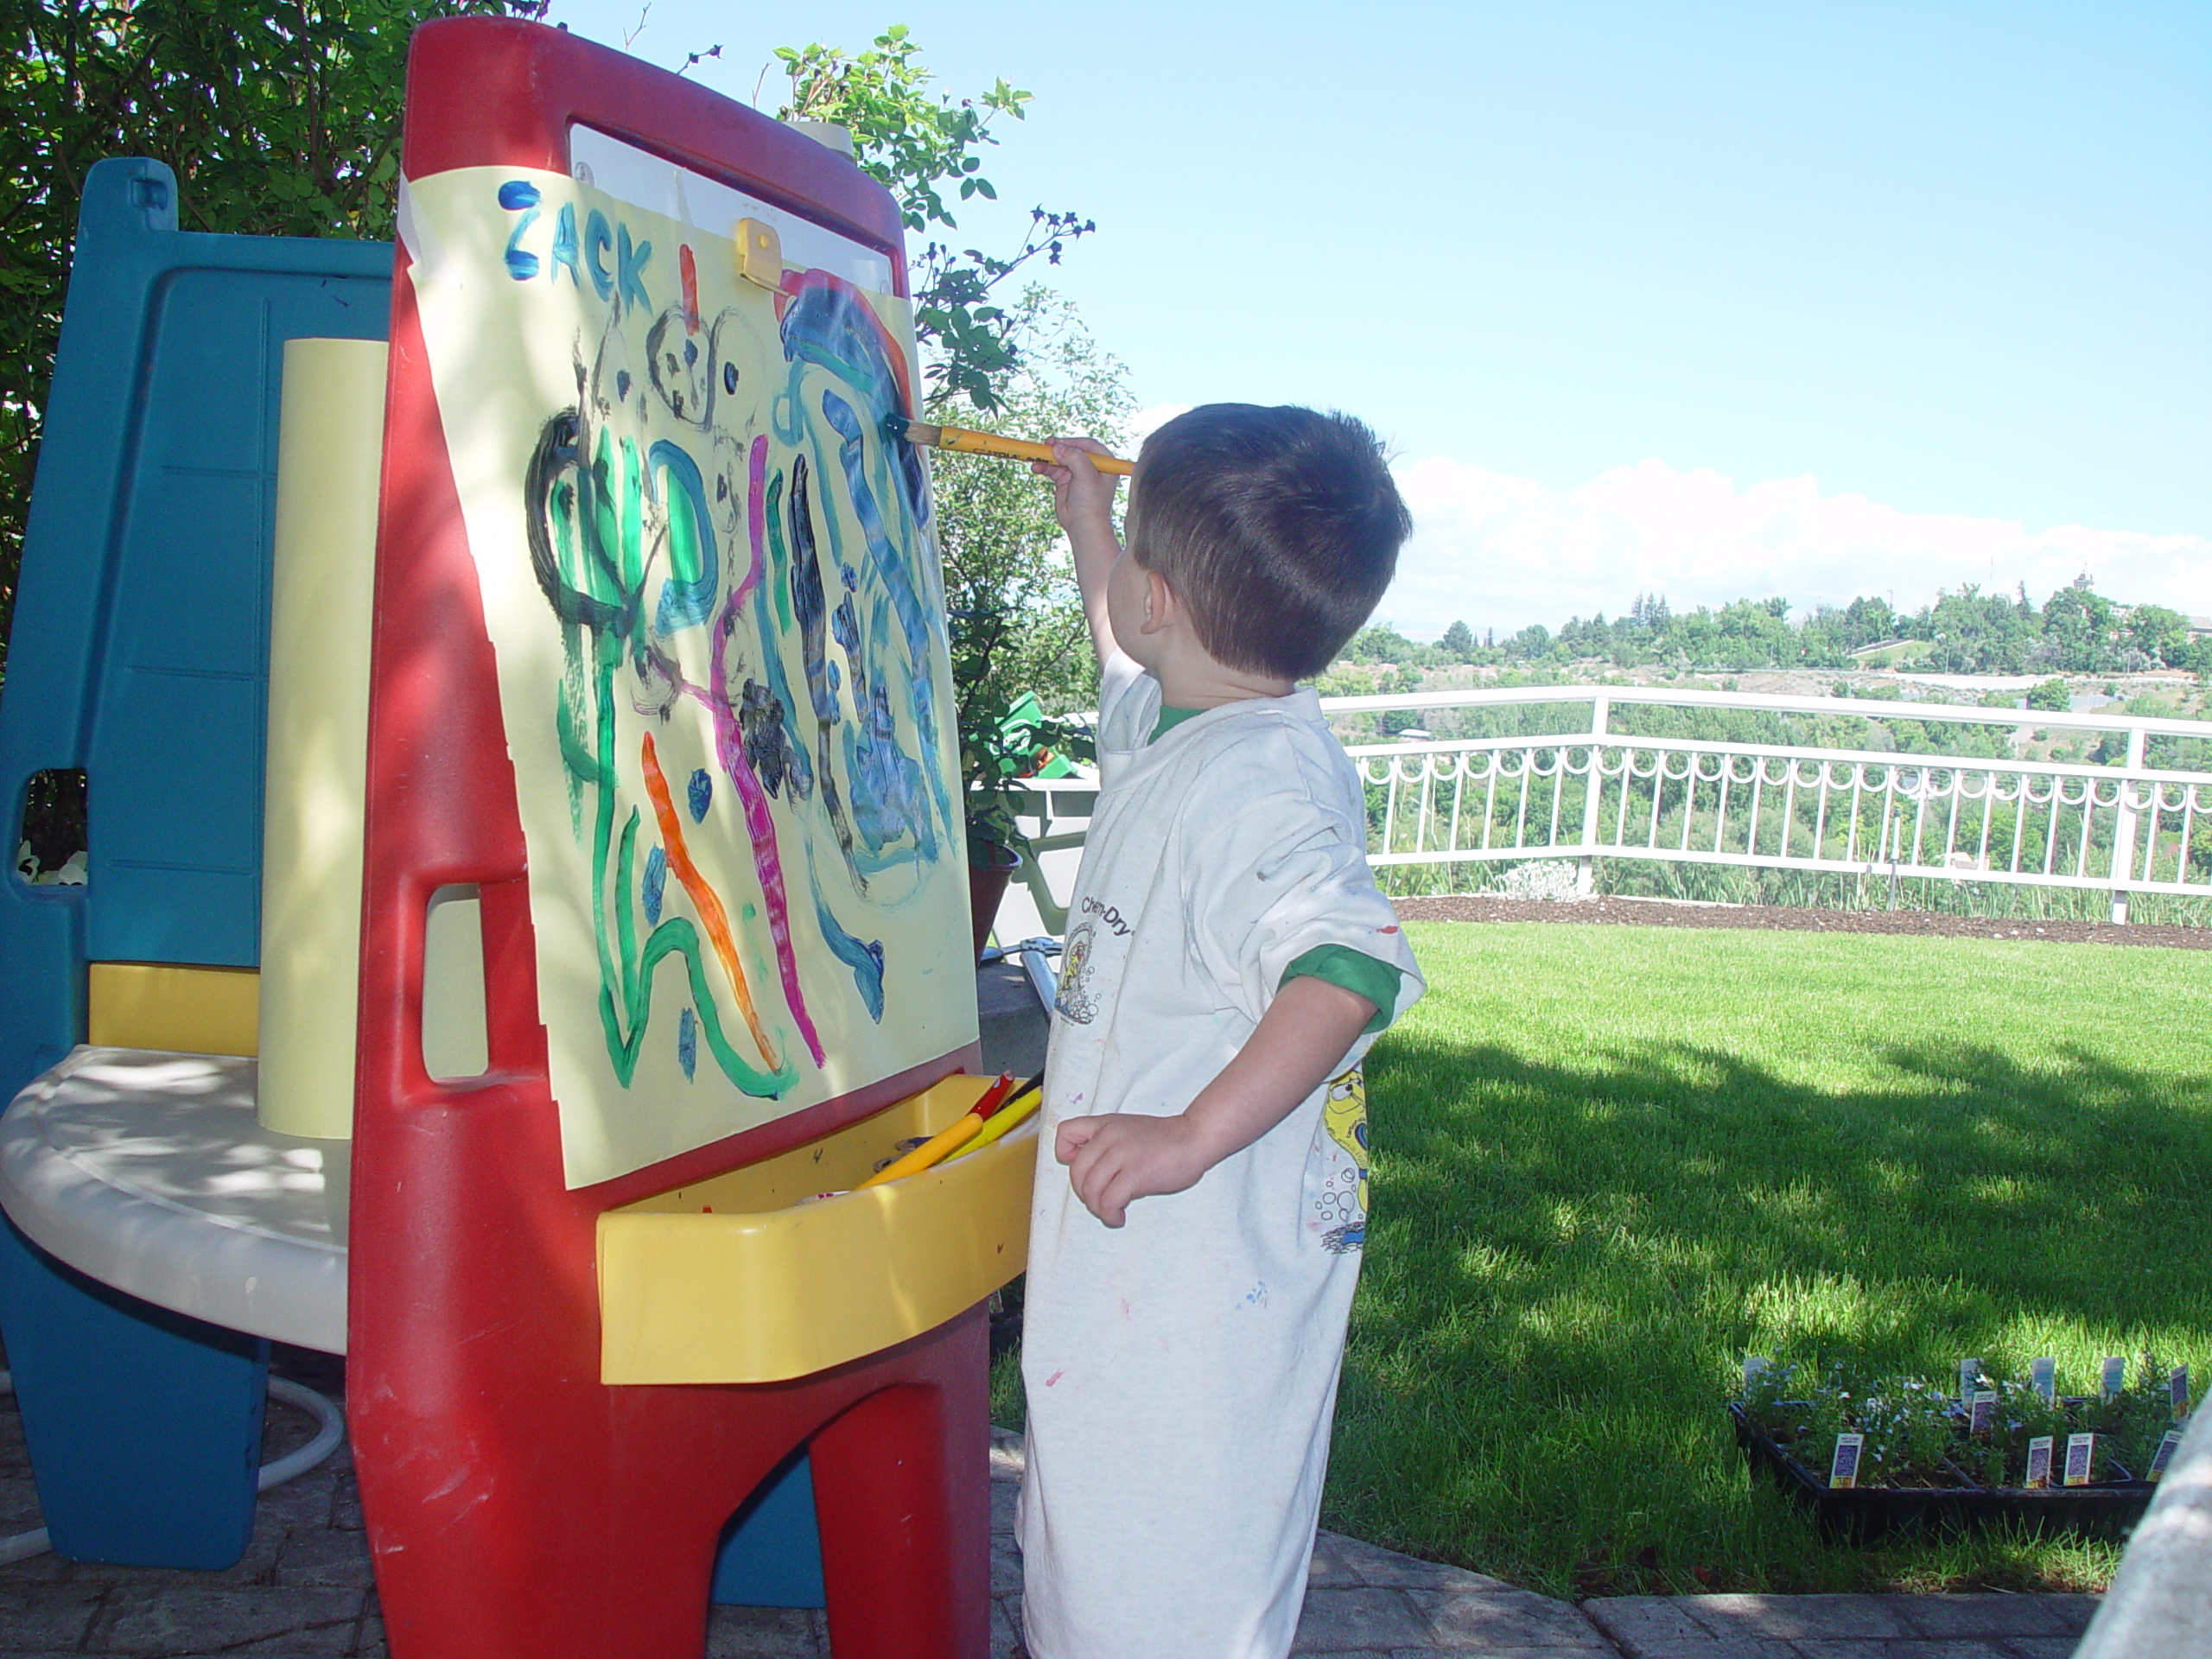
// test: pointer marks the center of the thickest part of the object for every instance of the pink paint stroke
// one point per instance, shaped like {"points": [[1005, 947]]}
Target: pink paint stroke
{"points": [[729, 747]]}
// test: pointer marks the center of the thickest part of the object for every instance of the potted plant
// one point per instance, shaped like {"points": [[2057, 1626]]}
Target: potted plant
{"points": [[999, 747], [1020, 644]]}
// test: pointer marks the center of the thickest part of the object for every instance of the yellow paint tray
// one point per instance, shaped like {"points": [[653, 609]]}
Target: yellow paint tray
{"points": [[742, 1278]]}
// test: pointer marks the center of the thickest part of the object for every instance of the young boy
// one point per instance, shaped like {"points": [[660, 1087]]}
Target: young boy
{"points": [[1202, 1177]]}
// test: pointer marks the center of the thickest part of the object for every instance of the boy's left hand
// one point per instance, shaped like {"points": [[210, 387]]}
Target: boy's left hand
{"points": [[1117, 1158]]}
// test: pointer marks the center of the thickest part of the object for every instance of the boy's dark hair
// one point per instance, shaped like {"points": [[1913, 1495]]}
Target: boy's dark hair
{"points": [[1278, 528]]}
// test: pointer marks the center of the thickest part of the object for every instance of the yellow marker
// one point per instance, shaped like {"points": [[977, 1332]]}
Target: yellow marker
{"points": [[937, 1147], [970, 442], [1015, 1111]]}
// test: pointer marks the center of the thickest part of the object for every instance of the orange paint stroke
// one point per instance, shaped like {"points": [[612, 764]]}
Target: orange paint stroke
{"points": [[704, 900]]}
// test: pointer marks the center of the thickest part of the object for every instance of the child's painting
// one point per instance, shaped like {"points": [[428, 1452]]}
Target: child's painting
{"points": [[716, 604]]}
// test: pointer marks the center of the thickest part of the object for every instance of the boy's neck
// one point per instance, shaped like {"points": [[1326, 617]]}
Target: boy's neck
{"points": [[1189, 678]]}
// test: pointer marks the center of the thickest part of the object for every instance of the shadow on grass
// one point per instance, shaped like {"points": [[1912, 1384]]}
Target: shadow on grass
{"points": [[1568, 1261]]}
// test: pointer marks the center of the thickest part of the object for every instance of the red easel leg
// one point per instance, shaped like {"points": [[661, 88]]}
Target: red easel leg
{"points": [[902, 1498]]}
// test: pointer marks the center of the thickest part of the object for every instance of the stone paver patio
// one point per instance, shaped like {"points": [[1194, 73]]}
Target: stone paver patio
{"points": [[304, 1587]]}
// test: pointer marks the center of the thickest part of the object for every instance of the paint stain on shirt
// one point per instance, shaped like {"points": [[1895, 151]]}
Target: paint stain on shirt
{"points": [[1053, 1378], [1255, 1296]]}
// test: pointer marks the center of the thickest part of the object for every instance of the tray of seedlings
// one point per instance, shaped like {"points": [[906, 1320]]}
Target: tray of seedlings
{"points": [[1871, 1459]]}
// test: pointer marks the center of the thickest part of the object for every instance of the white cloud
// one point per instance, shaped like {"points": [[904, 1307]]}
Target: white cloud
{"points": [[1146, 422], [1503, 552]]}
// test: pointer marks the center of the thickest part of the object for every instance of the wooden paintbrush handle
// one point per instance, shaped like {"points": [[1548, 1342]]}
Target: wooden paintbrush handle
{"points": [[968, 441]]}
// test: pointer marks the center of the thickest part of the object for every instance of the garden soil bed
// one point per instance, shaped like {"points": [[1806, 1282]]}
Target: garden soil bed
{"points": [[1666, 912]]}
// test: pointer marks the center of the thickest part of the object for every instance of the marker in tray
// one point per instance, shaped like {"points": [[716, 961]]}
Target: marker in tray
{"points": [[950, 1139], [1755, 1367], [2112, 1376], [2042, 1375], [1843, 1467], [2039, 1463], [2081, 1453], [2168, 1443], [1969, 1381], [2178, 1392]]}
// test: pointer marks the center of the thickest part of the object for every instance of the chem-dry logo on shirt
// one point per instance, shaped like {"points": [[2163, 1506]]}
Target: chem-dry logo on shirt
{"points": [[1336, 1175], [1074, 1000]]}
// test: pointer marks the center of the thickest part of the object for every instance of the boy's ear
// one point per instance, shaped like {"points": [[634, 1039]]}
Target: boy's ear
{"points": [[1159, 601]]}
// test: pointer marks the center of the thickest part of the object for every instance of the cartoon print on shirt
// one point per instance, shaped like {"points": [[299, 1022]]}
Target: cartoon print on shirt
{"points": [[1074, 1000], [1336, 1175]]}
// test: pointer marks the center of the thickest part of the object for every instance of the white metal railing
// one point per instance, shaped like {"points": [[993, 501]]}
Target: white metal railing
{"points": [[1599, 792]]}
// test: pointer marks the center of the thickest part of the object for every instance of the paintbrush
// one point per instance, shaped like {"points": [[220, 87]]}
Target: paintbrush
{"points": [[969, 443]]}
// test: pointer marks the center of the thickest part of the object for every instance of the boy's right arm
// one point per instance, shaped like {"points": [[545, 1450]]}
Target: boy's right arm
{"points": [[1083, 499]]}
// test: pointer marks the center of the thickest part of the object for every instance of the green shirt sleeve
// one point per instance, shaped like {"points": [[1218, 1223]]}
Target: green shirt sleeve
{"points": [[1354, 971]]}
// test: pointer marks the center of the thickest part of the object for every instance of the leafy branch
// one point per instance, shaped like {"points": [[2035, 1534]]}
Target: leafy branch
{"points": [[280, 118], [920, 146]]}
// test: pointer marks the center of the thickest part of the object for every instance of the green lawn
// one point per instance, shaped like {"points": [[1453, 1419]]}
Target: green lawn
{"points": [[1611, 1160]]}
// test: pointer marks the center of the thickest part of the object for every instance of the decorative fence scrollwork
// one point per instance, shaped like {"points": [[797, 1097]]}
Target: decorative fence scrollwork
{"points": [[1601, 793]]}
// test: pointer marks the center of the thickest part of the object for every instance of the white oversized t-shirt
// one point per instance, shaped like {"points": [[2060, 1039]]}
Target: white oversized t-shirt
{"points": [[1181, 1369]]}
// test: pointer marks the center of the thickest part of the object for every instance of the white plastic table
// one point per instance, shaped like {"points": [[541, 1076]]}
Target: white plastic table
{"points": [[149, 1170]]}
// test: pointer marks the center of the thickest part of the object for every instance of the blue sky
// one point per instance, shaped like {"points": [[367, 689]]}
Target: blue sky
{"points": [[1720, 299]]}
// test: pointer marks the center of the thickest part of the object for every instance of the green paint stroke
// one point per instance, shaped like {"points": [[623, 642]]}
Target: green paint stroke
{"points": [[623, 963]]}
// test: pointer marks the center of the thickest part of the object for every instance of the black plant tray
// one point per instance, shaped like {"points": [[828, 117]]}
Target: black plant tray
{"points": [[1865, 1514]]}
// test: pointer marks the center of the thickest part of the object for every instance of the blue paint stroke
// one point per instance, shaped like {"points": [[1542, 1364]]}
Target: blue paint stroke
{"points": [[702, 792], [599, 238], [864, 957], [890, 788], [630, 261], [914, 621], [687, 1043], [520, 196], [654, 885], [832, 327], [685, 598], [564, 244]]}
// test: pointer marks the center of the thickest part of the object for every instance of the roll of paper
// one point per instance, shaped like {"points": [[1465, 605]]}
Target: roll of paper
{"points": [[328, 447]]}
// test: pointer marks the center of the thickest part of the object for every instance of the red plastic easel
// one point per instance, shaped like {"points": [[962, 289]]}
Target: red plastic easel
{"points": [[515, 1506]]}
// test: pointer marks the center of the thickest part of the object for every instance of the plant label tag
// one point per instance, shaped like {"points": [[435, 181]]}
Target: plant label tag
{"points": [[1969, 1380], [1984, 1413], [1755, 1367], [2042, 1375], [2081, 1449], [2039, 1463], [1843, 1467], [2168, 1443], [2112, 1376], [2177, 1391]]}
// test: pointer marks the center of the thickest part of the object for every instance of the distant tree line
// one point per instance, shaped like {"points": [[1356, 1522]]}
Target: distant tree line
{"points": [[2076, 631]]}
